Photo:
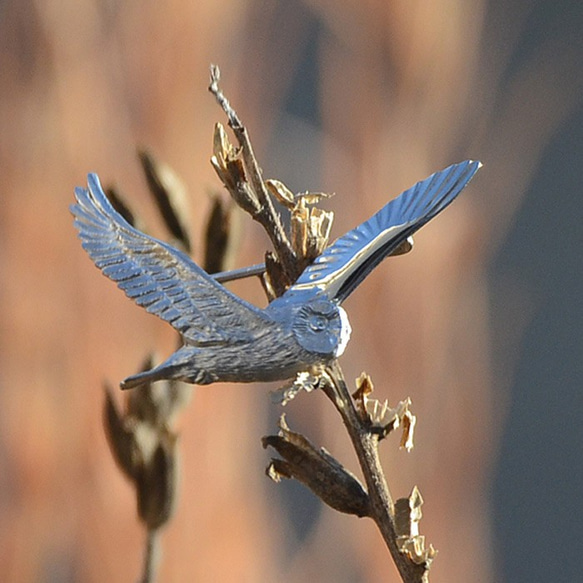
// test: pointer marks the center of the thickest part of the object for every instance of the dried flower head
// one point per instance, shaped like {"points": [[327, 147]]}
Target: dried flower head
{"points": [[407, 516], [383, 418], [144, 446]]}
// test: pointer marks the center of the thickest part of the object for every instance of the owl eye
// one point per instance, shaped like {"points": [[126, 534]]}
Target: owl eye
{"points": [[316, 328], [318, 323]]}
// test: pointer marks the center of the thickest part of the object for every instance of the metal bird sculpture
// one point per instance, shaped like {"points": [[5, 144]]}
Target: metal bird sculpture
{"points": [[226, 338]]}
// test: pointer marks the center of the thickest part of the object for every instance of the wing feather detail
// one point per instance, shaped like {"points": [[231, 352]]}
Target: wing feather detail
{"points": [[160, 278], [343, 265]]}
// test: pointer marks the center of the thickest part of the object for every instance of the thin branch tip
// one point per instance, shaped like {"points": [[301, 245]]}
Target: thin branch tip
{"points": [[215, 74]]}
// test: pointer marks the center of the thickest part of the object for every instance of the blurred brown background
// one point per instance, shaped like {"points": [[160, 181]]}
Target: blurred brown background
{"points": [[480, 325]]}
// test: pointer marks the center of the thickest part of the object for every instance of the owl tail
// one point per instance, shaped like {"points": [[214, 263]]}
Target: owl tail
{"points": [[179, 366], [148, 376]]}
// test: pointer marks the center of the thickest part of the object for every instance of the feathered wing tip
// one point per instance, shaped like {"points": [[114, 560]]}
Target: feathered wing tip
{"points": [[343, 265], [93, 209]]}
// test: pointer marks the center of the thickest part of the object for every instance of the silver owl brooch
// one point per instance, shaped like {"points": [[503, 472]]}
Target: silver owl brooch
{"points": [[226, 338]]}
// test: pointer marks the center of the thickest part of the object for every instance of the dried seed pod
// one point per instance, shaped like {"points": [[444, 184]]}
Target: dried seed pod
{"points": [[316, 469], [170, 195], [230, 168], [156, 484], [219, 236], [144, 447], [121, 437], [381, 417], [407, 516], [120, 205]]}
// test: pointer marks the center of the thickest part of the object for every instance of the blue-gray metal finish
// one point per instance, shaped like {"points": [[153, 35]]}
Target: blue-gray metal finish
{"points": [[226, 338]]}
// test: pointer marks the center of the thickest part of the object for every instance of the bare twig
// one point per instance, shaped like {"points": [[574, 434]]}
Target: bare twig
{"points": [[265, 214]]}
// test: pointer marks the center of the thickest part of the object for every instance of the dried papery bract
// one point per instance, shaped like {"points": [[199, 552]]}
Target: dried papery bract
{"points": [[381, 417], [407, 516], [310, 225]]}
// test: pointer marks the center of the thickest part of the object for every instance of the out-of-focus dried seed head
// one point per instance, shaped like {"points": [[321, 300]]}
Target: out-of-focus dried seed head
{"points": [[220, 235], [143, 445], [317, 470], [407, 516], [120, 433], [120, 204], [171, 197], [156, 484]]}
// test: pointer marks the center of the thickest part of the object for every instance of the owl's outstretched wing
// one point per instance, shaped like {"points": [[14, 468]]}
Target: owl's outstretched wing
{"points": [[344, 264], [158, 277]]}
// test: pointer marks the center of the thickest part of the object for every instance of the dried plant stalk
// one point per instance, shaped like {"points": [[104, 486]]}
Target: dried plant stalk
{"points": [[326, 477]]}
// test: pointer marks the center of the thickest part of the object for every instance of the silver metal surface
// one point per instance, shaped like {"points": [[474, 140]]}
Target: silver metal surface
{"points": [[240, 273], [226, 338]]}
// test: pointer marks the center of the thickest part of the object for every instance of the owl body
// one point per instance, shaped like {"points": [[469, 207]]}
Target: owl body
{"points": [[292, 339], [226, 338]]}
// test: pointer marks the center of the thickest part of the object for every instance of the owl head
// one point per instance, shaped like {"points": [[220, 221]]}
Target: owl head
{"points": [[322, 326]]}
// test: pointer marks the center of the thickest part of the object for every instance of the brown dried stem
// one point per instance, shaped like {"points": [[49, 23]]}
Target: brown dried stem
{"points": [[264, 213], [366, 446]]}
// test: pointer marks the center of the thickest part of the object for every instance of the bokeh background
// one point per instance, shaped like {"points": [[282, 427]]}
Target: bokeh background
{"points": [[480, 325]]}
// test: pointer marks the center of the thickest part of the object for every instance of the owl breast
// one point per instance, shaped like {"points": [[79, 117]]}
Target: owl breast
{"points": [[322, 327]]}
